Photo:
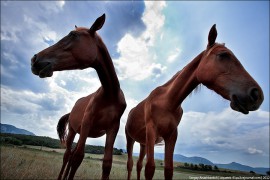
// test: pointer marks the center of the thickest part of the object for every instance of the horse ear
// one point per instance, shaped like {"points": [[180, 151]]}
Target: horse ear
{"points": [[212, 36], [97, 24]]}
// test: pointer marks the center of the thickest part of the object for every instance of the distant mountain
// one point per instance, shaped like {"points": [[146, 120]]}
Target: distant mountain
{"points": [[240, 167], [181, 158], [200, 160], [6, 128]]}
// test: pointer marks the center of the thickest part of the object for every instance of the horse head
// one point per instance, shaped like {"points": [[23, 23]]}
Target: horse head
{"points": [[221, 71], [78, 50]]}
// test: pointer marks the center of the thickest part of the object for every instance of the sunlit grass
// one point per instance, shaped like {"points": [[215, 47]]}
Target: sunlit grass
{"points": [[34, 163], [29, 162]]}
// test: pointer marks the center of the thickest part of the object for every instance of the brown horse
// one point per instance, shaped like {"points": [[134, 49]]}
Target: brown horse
{"points": [[93, 115], [156, 118]]}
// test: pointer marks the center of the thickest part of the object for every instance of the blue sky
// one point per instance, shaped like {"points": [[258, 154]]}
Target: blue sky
{"points": [[149, 42]]}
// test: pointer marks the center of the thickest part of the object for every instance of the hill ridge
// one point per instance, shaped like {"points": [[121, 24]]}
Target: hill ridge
{"points": [[7, 128], [201, 160]]}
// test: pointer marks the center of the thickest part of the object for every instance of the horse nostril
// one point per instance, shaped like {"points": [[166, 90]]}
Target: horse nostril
{"points": [[34, 59], [254, 94]]}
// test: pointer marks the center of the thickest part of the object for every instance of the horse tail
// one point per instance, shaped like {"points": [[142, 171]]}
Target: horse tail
{"points": [[61, 128]]}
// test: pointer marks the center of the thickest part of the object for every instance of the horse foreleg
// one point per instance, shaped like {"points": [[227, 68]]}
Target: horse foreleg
{"points": [[67, 155], [78, 154], [150, 143], [108, 153], [140, 160], [169, 149], [130, 143]]}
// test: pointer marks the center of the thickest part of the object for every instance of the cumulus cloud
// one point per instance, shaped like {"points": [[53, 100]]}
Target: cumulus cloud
{"points": [[53, 7], [174, 54], [20, 102], [61, 3], [254, 151], [36, 112], [5, 73], [137, 61], [40, 112], [227, 130]]}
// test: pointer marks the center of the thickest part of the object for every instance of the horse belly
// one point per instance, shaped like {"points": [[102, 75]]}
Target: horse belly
{"points": [[105, 119], [95, 134], [95, 131]]}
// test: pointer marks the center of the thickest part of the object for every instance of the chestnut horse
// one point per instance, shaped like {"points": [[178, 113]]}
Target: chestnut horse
{"points": [[96, 114], [156, 118]]}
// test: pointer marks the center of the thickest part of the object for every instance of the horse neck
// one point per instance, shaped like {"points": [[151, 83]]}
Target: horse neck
{"points": [[183, 83], [106, 72]]}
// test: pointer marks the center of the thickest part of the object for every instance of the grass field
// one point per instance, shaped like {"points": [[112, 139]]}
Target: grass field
{"points": [[29, 162]]}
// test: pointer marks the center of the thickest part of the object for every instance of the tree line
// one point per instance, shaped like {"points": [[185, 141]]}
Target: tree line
{"points": [[19, 140], [200, 167], [203, 167]]}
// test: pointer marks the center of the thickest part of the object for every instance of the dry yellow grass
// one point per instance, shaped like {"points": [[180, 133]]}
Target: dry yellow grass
{"points": [[29, 163]]}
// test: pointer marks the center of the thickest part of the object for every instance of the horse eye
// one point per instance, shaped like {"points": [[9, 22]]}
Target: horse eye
{"points": [[223, 55], [73, 34]]}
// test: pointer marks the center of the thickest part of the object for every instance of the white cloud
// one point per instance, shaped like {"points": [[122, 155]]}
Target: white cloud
{"points": [[137, 60], [53, 6], [224, 130], [42, 33], [153, 19], [72, 85], [12, 100], [50, 36], [40, 112], [254, 151], [173, 55], [11, 59], [8, 35], [5, 73], [61, 3], [131, 103]]}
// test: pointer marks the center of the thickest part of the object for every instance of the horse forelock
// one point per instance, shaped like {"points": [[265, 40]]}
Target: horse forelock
{"points": [[80, 28], [214, 47]]}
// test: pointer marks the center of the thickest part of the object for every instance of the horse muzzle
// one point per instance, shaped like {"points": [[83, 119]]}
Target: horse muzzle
{"points": [[40, 68], [249, 102]]}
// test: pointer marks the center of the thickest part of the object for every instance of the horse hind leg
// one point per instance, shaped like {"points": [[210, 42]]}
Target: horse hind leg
{"points": [[76, 157], [68, 154], [130, 143], [140, 160]]}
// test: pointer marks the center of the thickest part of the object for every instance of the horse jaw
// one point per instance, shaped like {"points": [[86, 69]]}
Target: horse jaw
{"points": [[47, 71], [236, 105]]}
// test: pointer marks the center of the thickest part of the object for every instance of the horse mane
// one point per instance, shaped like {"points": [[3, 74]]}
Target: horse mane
{"points": [[199, 87], [109, 63], [196, 90], [174, 76]]}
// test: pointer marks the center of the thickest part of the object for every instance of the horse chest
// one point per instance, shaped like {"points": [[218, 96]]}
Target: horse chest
{"points": [[166, 121]]}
